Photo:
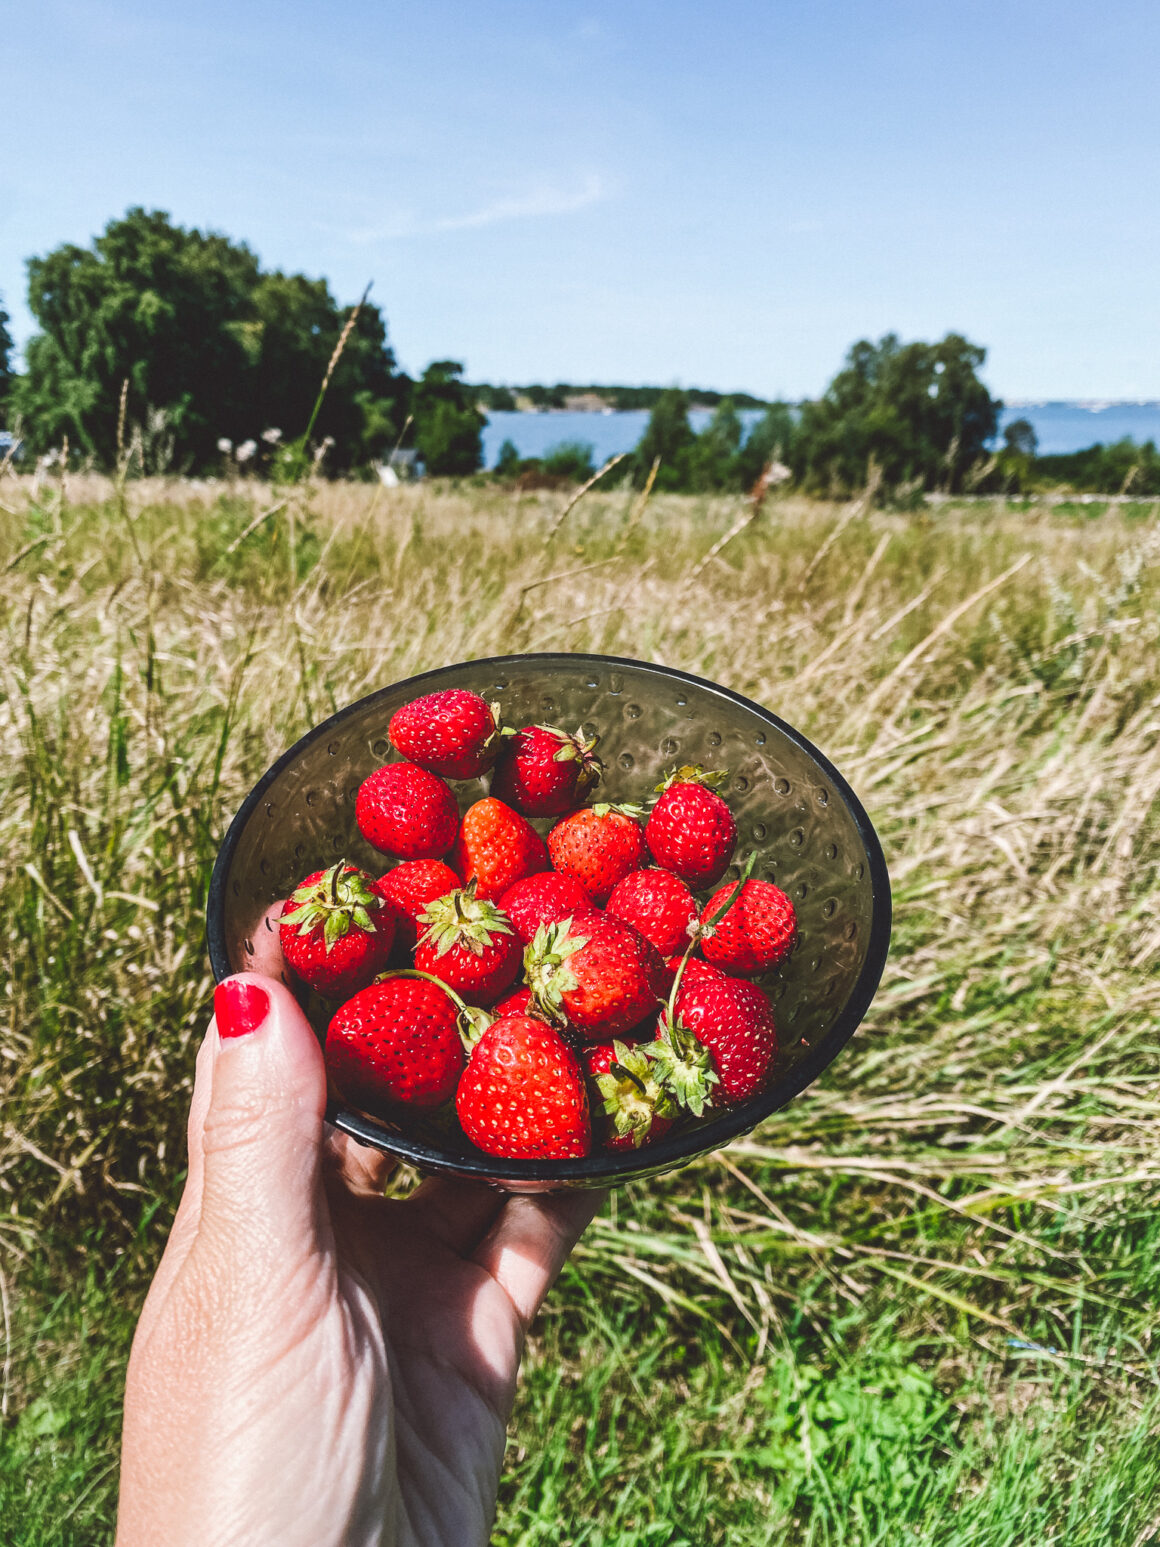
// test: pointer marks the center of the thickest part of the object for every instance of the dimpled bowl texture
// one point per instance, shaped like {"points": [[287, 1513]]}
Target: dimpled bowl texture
{"points": [[810, 833]]}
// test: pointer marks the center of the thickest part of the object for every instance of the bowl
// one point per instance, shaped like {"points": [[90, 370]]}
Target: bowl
{"points": [[792, 806]]}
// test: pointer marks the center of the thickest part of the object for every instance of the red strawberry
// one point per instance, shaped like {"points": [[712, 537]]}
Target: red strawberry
{"points": [[638, 1104], [397, 1040], [597, 971], [410, 887], [691, 830], [522, 1094], [497, 848], [404, 810], [546, 898], [732, 1022], [517, 1002], [544, 772], [696, 971], [468, 944], [599, 846], [756, 932], [657, 903], [336, 930], [452, 733]]}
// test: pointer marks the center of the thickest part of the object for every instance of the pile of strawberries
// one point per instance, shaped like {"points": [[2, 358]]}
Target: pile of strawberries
{"points": [[562, 994]]}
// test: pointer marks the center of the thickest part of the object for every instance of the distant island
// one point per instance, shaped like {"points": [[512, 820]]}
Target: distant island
{"points": [[565, 397]]}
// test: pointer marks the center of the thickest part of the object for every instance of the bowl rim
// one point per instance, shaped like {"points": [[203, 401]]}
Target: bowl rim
{"points": [[607, 1166]]}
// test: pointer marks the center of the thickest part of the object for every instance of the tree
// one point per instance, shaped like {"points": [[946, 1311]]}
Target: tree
{"points": [[669, 436], [1019, 437], [5, 359], [712, 459], [201, 333], [770, 439], [919, 410], [570, 459], [448, 425], [508, 462]]}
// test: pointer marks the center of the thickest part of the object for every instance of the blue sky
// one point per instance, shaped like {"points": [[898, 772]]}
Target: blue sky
{"points": [[641, 191]]}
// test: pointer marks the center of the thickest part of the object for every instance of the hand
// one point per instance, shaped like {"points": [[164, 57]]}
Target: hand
{"points": [[316, 1364]]}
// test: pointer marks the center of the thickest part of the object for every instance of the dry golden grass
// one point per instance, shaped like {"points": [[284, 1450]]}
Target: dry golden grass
{"points": [[981, 1165]]}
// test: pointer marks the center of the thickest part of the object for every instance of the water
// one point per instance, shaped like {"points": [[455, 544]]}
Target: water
{"points": [[607, 434], [1060, 426]]}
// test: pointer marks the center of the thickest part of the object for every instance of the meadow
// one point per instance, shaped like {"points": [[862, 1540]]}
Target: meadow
{"points": [[920, 1304]]}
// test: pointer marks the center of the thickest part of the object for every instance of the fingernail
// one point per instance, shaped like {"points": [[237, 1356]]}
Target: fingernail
{"points": [[239, 1008]]}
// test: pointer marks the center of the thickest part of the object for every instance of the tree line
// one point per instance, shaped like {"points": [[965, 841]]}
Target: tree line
{"points": [[179, 342], [183, 334]]}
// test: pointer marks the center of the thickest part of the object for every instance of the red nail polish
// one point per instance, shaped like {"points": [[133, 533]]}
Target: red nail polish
{"points": [[239, 1007]]}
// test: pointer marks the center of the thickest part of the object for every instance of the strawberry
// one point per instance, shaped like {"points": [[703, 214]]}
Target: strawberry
{"points": [[453, 733], [696, 971], [691, 830], [336, 930], [657, 903], [599, 846], [468, 944], [724, 1037], [518, 1001], [396, 1041], [639, 1105], [410, 886], [522, 1094], [544, 772], [496, 848], [545, 898], [756, 932], [404, 810], [598, 972]]}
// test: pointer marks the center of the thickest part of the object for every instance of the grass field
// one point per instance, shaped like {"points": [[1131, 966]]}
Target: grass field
{"points": [[919, 1306]]}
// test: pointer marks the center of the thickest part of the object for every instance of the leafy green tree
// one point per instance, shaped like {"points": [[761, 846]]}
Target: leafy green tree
{"points": [[919, 410], [1019, 437], [5, 359], [669, 436], [199, 332], [448, 425], [570, 459], [771, 438], [712, 459], [507, 464]]}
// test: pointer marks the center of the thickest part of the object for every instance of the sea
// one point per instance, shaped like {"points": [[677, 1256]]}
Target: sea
{"points": [[1059, 426]]}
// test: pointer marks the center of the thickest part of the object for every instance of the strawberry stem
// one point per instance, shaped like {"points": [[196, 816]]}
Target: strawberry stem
{"points": [[473, 1020], [700, 929]]}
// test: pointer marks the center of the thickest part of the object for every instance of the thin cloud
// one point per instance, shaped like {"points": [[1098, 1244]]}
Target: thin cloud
{"points": [[542, 200]]}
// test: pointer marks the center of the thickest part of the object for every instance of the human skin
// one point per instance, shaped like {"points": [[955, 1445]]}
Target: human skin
{"points": [[317, 1364]]}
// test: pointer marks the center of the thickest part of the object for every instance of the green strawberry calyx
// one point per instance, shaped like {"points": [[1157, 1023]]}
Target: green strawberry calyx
{"points": [[633, 1095], [546, 965], [341, 899], [473, 1019], [693, 773], [577, 749], [623, 808], [460, 918], [684, 1065]]}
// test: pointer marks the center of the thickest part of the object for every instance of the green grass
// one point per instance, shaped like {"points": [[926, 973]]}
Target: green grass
{"points": [[919, 1306]]}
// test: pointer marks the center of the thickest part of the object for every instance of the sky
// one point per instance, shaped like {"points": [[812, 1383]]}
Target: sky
{"points": [[645, 191]]}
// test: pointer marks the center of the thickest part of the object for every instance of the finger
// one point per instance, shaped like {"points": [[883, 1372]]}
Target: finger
{"points": [[186, 1220], [360, 1168], [530, 1242], [267, 957], [263, 1129], [458, 1214]]}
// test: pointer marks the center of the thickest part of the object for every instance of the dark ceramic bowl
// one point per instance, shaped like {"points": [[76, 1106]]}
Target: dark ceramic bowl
{"points": [[810, 832]]}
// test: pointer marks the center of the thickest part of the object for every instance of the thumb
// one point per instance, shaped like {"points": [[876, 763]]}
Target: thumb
{"points": [[262, 1139]]}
